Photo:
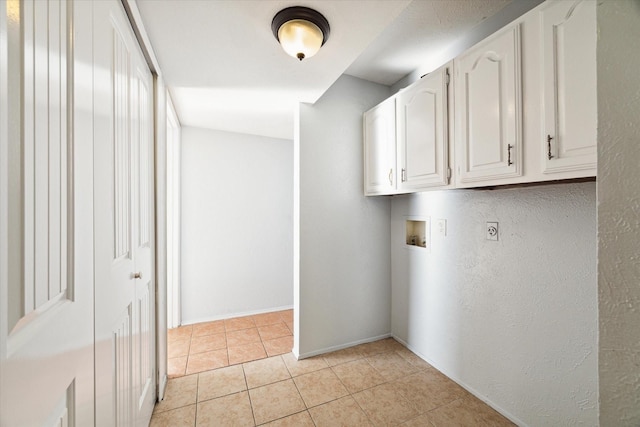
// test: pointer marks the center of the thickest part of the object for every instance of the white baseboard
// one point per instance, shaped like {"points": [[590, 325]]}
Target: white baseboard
{"points": [[339, 347], [232, 315], [462, 384]]}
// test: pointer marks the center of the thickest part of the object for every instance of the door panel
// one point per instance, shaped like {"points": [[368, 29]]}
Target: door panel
{"points": [[122, 351], [46, 362], [46, 146], [144, 338], [484, 106], [125, 343]]}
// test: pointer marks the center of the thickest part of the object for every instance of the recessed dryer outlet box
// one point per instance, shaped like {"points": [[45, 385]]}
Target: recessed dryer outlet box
{"points": [[417, 232], [492, 231]]}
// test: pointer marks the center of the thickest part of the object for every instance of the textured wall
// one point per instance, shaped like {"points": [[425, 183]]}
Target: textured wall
{"points": [[343, 273], [619, 212], [515, 321], [236, 224]]}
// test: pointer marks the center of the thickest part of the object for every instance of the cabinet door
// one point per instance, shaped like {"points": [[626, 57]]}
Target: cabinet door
{"points": [[423, 146], [488, 110], [569, 101], [380, 149]]}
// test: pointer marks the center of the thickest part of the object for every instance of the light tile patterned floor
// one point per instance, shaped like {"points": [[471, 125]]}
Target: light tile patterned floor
{"points": [[212, 345], [376, 384]]}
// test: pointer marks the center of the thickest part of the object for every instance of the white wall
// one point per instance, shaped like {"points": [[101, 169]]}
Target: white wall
{"points": [[343, 273], [236, 224], [513, 321], [619, 212]]}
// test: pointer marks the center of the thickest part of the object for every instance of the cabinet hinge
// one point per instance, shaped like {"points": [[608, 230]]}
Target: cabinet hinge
{"points": [[449, 173], [448, 78]]}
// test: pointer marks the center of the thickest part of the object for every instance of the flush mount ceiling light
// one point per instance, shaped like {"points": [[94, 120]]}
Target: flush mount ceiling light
{"points": [[301, 31]]}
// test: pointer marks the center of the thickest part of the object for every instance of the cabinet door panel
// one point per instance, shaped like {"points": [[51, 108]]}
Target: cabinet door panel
{"points": [[484, 116], [488, 109], [422, 133], [380, 149], [569, 86]]}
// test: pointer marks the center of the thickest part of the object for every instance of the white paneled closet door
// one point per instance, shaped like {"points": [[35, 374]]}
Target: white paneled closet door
{"points": [[123, 138], [46, 279]]}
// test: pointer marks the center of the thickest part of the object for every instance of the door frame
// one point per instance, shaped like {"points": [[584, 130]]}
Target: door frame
{"points": [[4, 177], [173, 149]]}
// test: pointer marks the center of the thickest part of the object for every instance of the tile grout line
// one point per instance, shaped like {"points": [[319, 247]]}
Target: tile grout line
{"points": [[298, 390], [287, 416], [195, 420], [404, 375], [226, 331], [306, 408], [226, 344], [184, 372], [363, 354], [349, 391], [246, 384]]}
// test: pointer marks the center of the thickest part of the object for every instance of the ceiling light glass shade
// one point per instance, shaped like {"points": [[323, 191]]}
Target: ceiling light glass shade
{"points": [[301, 31], [300, 39]]}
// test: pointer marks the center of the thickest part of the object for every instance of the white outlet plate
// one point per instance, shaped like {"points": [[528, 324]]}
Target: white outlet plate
{"points": [[441, 227], [492, 231]]}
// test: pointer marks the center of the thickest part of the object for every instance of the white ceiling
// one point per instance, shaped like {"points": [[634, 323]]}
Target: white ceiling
{"points": [[420, 37], [226, 71]]}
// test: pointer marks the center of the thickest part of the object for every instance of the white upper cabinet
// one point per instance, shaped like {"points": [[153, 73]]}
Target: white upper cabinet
{"points": [[380, 149], [488, 111], [523, 109], [423, 146], [569, 104]]}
